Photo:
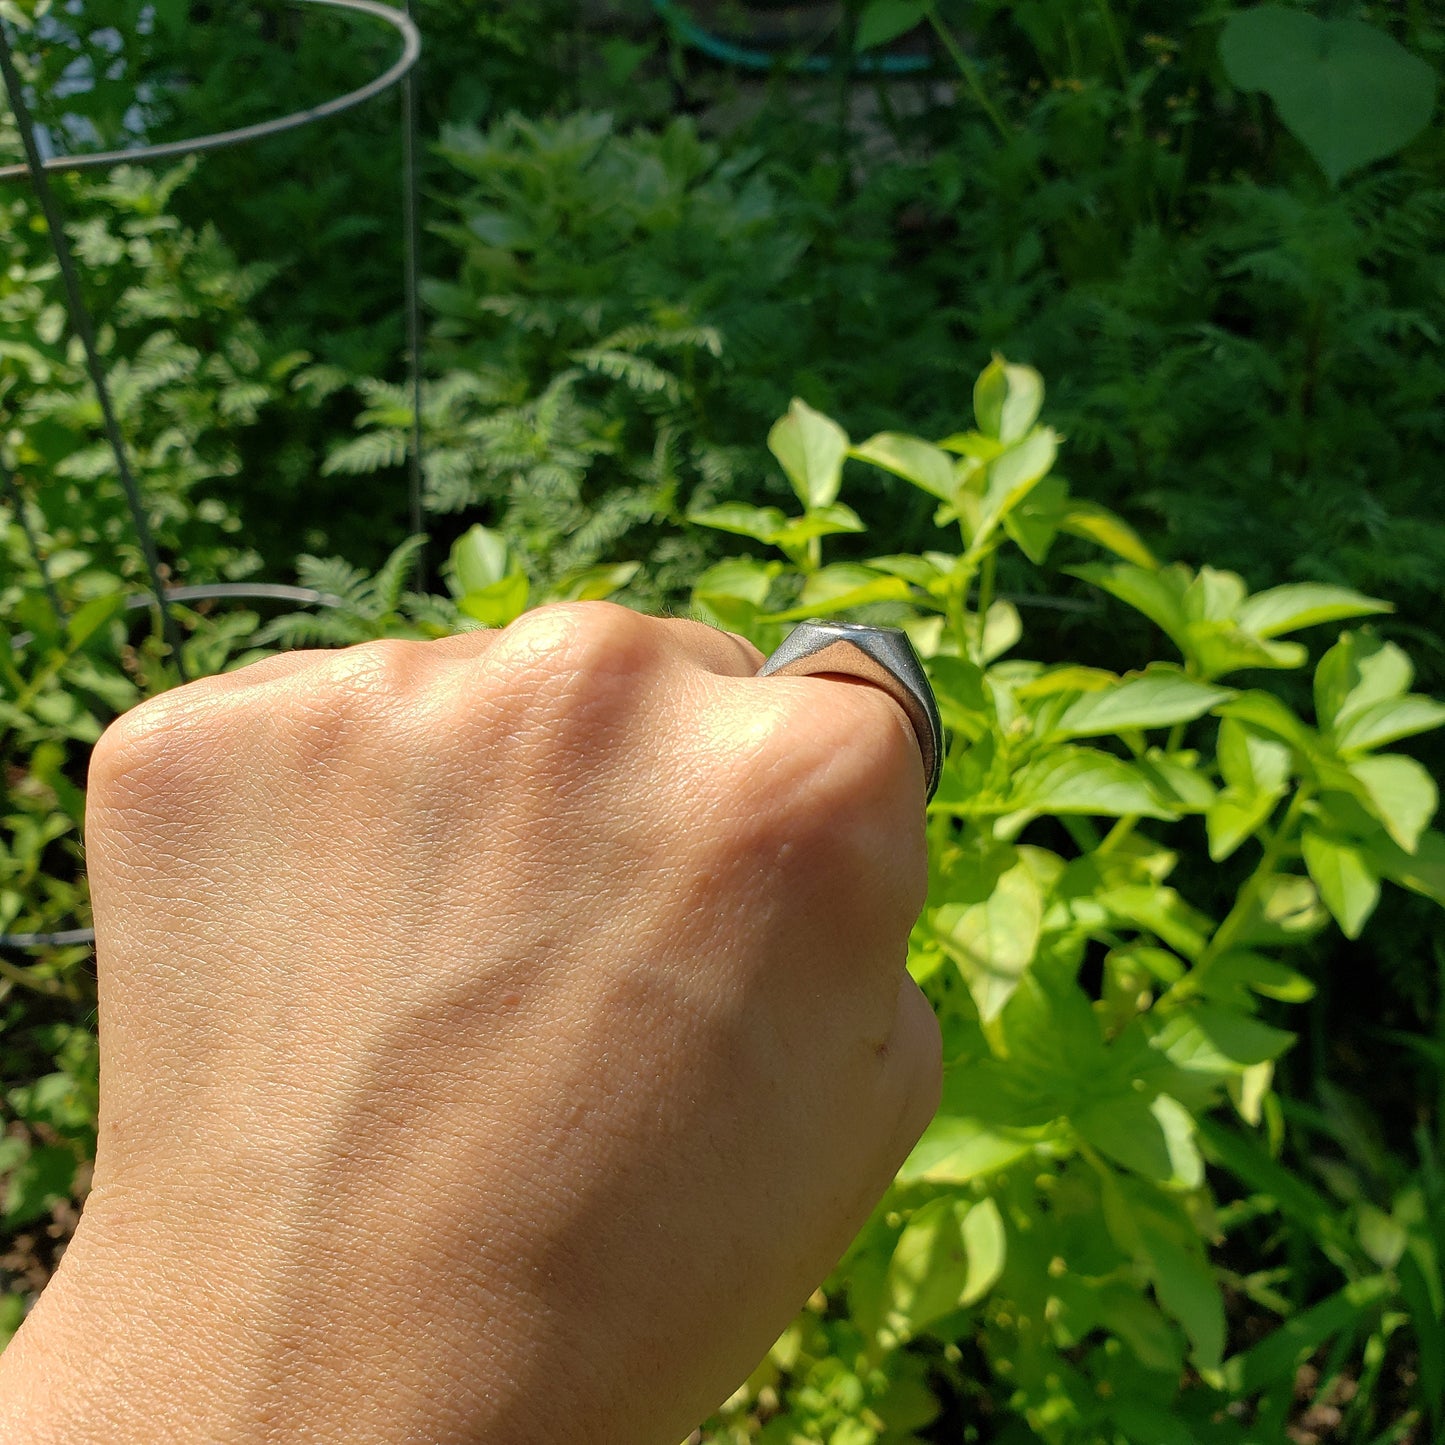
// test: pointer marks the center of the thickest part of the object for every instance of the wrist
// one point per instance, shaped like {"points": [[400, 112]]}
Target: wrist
{"points": [[142, 1337]]}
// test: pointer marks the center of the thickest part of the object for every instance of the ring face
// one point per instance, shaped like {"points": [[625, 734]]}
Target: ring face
{"points": [[881, 655]]}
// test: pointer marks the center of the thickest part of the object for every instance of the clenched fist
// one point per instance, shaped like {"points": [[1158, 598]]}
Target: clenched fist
{"points": [[501, 1038]]}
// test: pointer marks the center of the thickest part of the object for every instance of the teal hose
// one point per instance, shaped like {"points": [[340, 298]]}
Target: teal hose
{"points": [[691, 33]]}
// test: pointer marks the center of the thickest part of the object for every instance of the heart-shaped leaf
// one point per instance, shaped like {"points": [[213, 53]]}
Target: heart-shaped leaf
{"points": [[1347, 91]]}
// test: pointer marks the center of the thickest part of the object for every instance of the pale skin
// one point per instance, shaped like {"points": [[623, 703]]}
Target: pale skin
{"points": [[501, 1038]]}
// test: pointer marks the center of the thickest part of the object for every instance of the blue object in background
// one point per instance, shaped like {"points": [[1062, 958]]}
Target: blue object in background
{"points": [[691, 33]]}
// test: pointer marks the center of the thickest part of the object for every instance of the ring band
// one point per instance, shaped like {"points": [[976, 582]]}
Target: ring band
{"points": [[881, 655]]}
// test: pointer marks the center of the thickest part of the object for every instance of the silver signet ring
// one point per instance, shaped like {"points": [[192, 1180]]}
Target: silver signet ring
{"points": [[881, 655]]}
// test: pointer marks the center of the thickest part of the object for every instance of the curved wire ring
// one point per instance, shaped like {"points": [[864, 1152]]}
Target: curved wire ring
{"points": [[140, 155]]}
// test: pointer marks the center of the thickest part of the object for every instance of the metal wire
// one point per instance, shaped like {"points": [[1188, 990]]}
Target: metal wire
{"points": [[402, 68], [411, 221], [36, 168], [81, 324], [218, 140], [208, 591]]}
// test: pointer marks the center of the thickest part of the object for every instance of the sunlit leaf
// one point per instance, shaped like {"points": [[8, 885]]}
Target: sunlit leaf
{"points": [[1160, 697], [811, 448], [1341, 870], [1402, 793], [925, 465]]}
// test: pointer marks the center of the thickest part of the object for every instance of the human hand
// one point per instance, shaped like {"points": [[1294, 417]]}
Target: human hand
{"points": [[501, 1038]]}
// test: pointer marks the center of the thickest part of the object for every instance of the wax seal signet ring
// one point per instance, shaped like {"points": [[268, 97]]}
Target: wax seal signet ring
{"points": [[881, 655]]}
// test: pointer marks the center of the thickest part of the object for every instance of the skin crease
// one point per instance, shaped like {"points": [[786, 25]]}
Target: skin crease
{"points": [[501, 1037]]}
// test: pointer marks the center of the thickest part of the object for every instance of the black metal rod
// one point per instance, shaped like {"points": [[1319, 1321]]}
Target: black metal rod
{"points": [[83, 327], [411, 220]]}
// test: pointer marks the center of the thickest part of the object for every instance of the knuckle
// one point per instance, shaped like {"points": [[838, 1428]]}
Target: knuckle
{"points": [[566, 638], [846, 750], [356, 703], [156, 748], [572, 666], [365, 675], [829, 792]]}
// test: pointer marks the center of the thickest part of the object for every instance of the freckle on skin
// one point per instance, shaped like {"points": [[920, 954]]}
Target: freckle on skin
{"points": [[511, 1000]]}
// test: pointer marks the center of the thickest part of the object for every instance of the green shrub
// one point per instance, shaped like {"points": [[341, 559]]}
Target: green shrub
{"points": [[1055, 1231]]}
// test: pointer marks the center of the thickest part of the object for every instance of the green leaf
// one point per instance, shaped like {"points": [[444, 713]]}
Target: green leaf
{"points": [[1157, 593], [1245, 1158], [817, 522], [1402, 795], [479, 557], [1303, 604], [1097, 524], [958, 1150], [811, 448], [1255, 768], [592, 584], [1265, 713], [986, 1244], [949, 1255], [43, 1178], [992, 941], [1347, 91], [1002, 628], [885, 20], [1251, 761], [1276, 1358], [498, 604], [12, 1316], [1288, 910], [1142, 1420], [1158, 697], [90, 617], [1007, 400], [1207, 1038], [762, 524], [920, 462], [1082, 780], [732, 593], [1014, 474], [1230, 976], [1357, 672], [961, 688], [1177, 780], [828, 601], [1341, 869], [1154, 1138], [1188, 1290], [1034, 523], [1161, 1237], [1423, 872], [1160, 911], [1388, 722], [1234, 816]]}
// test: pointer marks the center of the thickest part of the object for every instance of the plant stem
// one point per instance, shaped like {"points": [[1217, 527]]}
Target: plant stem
{"points": [[50, 987], [985, 599], [969, 72], [1244, 905], [1106, 14]]}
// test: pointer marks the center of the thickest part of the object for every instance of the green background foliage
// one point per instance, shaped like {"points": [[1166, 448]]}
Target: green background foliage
{"points": [[1181, 615]]}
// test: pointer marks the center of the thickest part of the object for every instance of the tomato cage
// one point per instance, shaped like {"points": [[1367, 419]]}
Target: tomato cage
{"points": [[159, 598]]}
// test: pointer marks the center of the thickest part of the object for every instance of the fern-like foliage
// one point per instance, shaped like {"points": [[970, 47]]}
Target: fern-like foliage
{"points": [[360, 606]]}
